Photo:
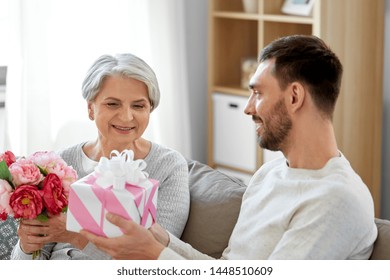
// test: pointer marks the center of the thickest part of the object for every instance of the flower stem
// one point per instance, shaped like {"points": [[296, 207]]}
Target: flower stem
{"points": [[36, 254]]}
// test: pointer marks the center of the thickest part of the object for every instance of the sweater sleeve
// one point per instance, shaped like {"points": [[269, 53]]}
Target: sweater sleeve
{"points": [[179, 250], [173, 203], [18, 254], [50, 251]]}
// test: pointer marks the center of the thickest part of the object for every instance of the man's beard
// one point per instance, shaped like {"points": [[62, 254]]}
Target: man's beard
{"points": [[276, 127]]}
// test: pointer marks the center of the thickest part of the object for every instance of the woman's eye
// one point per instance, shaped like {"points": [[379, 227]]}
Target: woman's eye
{"points": [[112, 104], [139, 106]]}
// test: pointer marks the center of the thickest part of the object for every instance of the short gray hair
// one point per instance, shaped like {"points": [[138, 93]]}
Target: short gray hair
{"points": [[127, 65]]}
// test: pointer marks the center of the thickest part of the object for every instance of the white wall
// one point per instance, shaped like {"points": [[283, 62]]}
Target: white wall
{"points": [[196, 41], [386, 120]]}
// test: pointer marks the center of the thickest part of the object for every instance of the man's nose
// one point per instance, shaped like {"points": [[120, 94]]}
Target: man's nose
{"points": [[249, 106]]}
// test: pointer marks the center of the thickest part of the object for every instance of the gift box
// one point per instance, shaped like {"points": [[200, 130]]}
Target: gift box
{"points": [[118, 185]]}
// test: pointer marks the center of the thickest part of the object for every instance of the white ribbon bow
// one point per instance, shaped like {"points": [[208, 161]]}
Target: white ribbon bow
{"points": [[119, 169]]}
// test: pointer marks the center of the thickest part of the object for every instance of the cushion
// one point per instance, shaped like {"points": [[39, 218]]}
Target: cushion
{"points": [[382, 244], [8, 237], [215, 204]]}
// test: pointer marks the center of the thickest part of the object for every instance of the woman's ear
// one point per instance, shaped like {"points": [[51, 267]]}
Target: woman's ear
{"points": [[90, 111], [297, 96]]}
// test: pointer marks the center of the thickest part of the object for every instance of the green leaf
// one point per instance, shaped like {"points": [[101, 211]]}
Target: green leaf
{"points": [[65, 209], [43, 171], [42, 218], [5, 174]]}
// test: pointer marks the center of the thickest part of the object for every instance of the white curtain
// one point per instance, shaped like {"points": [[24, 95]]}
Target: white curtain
{"points": [[55, 41], [16, 113]]}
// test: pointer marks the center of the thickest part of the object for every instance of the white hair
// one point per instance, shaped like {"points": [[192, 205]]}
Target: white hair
{"points": [[127, 65]]}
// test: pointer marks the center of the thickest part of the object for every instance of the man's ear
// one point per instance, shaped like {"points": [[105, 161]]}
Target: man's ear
{"points": [[297, 95]]}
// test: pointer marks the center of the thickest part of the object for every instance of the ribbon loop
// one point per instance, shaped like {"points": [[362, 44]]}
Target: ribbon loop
{"points": [[120, 169]]}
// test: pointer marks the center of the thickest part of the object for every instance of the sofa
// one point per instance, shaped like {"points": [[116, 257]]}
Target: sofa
{"points": [[215, 204]]}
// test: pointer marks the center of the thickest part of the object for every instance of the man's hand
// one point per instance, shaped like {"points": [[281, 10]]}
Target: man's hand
{"points": [[136, 243], [160, 234]]}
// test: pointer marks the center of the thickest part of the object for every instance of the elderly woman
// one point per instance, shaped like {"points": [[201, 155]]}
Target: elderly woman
{"points": [[121, 91]]}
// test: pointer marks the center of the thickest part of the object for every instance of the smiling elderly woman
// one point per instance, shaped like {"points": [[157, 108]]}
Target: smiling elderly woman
{"points": [[121, 91]]}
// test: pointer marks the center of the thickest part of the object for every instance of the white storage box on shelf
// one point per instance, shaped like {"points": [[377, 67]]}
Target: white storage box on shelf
{"points": [[234, 133]]}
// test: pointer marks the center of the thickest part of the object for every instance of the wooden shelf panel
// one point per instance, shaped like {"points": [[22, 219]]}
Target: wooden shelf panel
{"points": [[235, 40], [266, 17], [287, 19], [236, 15], [233, 90], [274, 29]]}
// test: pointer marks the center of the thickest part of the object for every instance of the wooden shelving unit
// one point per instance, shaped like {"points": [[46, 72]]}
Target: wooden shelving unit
{"points": [[352, 28]]}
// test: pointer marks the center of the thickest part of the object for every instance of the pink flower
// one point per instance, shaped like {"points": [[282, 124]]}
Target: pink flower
{"points": [[25, 172], [5, 193], [26, 202], [9, 157], [68, 178], [51, 162], [54, 198]]}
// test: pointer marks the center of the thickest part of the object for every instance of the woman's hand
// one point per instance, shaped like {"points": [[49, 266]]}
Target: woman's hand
{"points": [[136, 243], [34, 232], [30, 237]]}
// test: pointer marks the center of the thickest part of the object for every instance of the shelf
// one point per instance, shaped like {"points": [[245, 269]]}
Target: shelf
{"points": [[236, 15], [266, 17], [287, 19], [231, 90]]}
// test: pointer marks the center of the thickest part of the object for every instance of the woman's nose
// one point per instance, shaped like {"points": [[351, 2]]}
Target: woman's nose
{"points": [[126, 114]]}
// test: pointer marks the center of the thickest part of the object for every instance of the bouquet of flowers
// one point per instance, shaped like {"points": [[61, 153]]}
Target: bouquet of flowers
{"points": [[36, 186]]}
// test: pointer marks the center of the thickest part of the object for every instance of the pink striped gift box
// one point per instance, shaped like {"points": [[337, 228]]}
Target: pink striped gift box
{"points": [[89, 203]]}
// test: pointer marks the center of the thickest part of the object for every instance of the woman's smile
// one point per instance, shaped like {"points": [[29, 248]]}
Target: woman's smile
{"points": [[123, 129]]}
